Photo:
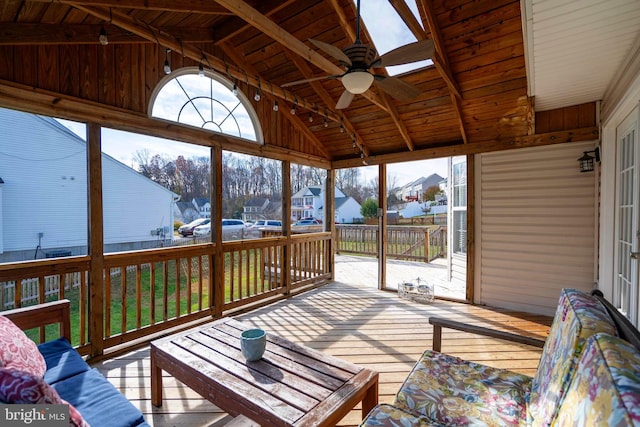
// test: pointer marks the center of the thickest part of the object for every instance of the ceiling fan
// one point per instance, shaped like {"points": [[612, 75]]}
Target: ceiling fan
{"points": [[359, 58]]}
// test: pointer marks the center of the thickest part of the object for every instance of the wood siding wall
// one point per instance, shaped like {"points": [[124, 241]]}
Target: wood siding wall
{"points": [[573, 117], [535, 227], [124, 76]]}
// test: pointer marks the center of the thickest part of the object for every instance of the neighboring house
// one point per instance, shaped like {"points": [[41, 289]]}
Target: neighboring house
{"points": [[43, 197], [308, 203], [412, 191], [347, 210], [254, 209], [203, 206], [185, 212]]}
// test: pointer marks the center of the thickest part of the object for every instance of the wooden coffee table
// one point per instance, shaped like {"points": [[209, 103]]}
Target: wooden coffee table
{"points": [[292, 385]]}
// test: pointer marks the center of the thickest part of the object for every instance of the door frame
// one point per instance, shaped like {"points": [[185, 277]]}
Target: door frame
{"points": [[631, 123], [617, 111]]}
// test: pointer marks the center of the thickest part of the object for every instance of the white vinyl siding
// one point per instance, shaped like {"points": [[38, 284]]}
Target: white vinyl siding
{"points": [[535, 224], [45, 189], [133, 205]]}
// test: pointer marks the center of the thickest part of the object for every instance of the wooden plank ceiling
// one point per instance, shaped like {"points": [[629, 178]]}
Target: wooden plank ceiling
{"points": [[476, 93]]}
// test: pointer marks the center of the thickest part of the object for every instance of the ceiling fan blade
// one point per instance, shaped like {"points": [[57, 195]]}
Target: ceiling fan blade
{"points": [[312, 79], [400, 90], [412, 52], [333, 51], [345, 100]]}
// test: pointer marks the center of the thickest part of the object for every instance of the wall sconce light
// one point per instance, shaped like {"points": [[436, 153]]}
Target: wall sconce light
{"points": [[587, 162]]}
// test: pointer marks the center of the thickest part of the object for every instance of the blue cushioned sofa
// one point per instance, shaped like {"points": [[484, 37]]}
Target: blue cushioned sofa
{"points": [[589, 374], [97, 400]]}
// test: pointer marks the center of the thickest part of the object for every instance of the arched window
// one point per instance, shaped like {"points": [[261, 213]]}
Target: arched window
{"points": [[207, 102]]}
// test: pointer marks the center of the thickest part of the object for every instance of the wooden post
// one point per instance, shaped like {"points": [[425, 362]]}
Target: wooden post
{"points": [[329, 218], [95, 242], [382, 226], [215, 194], [427, 246], [437, 338], [470, 226], [285, 262]]}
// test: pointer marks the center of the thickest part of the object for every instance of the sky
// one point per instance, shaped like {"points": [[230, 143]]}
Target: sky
{"points": [[388, 32]]}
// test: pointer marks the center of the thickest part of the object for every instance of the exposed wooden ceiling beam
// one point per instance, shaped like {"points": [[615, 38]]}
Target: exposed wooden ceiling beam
{"points": [[409, 18], [440, 57], [425, 8], [326, 98], [575, 135], [183, 6], [228, 35], [38, 101], [47, 34], [148, 32], [279, 34], [295, 120], [395, 116], [346, 25]]}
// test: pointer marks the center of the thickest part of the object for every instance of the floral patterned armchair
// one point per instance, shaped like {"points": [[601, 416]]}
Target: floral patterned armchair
{"points": [[443, 390]]}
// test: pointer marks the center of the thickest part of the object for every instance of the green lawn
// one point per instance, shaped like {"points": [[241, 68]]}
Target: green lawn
{"points": [[117, 304]]}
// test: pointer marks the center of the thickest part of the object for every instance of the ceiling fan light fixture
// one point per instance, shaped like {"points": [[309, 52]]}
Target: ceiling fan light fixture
{"points": [[357, 82]]}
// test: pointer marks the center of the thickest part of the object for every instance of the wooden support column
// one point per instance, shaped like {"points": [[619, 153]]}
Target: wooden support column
{"points": [[382, 226], [285, 266], [471, 167], [215, 194], [329, 217], [95, 233]]}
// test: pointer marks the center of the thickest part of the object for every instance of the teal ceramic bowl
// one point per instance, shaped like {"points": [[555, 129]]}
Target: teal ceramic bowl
{"points": [[253, 343]]}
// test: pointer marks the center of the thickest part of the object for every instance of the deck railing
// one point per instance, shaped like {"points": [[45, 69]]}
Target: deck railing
{"points": [[148, 291], [403, 242]]}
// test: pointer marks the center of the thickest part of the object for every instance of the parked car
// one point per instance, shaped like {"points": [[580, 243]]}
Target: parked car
{"points": [[255, 229], [261, 223], [311, 219], [233, 226], [187, 229], [202, 230], [306, 222]]}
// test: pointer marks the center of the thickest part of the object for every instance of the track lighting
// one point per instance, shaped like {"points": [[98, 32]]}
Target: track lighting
{"points": [[167, 66], [293, 110], [341, 128], [310, 117], [201, 70], [326, 122], [275, 105], [103, 39], [235, 89], [257, 95]]}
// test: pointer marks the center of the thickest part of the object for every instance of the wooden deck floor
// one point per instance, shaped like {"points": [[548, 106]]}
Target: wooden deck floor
{"points": [[363, 325]]}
